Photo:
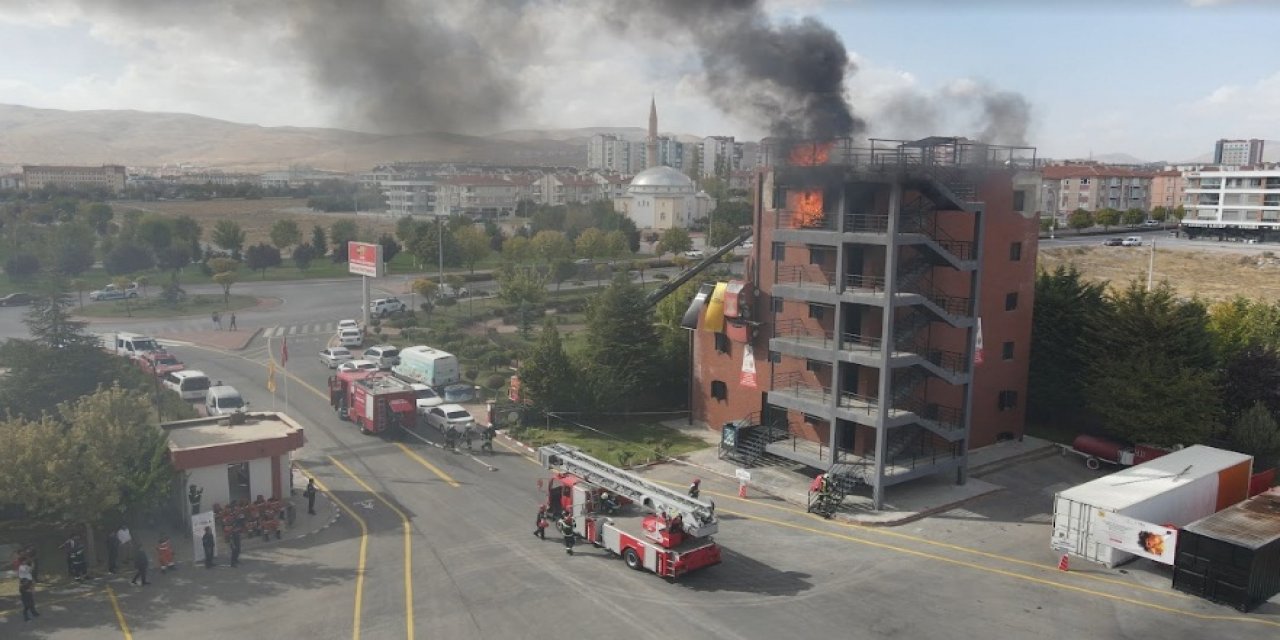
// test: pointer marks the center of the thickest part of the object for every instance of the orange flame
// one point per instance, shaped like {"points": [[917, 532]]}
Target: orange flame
{"points": [[811, 154], [806, 208]]}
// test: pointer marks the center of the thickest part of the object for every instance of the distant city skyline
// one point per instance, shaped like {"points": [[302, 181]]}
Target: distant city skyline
{"points": [[1100, 78]]}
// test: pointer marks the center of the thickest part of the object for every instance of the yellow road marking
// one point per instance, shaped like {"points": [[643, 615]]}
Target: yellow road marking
{"points": [[423, 461], [1010, 574], [364, 548], [408, 547], [124, 626]]}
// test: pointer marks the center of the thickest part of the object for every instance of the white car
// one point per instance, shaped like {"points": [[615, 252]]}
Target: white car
{"points": [[693, 254], [426, 397], [447, 291], [358, 365], [446, 416], [1132, 241], [335, 356], [344, 325], [386, 306]]}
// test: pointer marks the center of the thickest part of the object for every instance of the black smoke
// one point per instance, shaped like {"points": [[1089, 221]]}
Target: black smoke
{"points": [[994, 116]]}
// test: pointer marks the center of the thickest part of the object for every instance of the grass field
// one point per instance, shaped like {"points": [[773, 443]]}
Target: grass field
{"points": [[255, 217], [616, 441], [153, 307], [1209, 276]]}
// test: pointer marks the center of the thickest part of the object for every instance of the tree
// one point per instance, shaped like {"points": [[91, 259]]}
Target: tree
{"points": [[619, 356], [735, 213], [722, 233], [390, 249], [261, 257], [562, 270], [50, 323], [1080, 219], [340, 233], [550, 246], [591, 244], [1160, 214], [128, 257], [406, 230], [285, 233], [674, 240], [602, 271], [319, 241], [1240, 324], [303, 254], [21, 265], [1107, 218], [547, 375], [1258, 435], [173, 259], [122, 283], [186, 229], [80, 285], [228, 236], [617, 244], [1134, 216], [473, 246], [427, 247], [517, 250], [1064, 304], [143, 281], [693, 167], [155, 232], [99, 216], [1152, 376], [71, 248], [1250, 376], [224, 273]]}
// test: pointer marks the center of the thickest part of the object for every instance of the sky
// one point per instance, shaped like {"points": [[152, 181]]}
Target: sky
{"points": [[1157, 79]]}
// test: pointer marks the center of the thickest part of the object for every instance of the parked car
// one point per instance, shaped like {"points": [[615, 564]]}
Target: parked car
{"points": [[459, 393], [693, 254], [426, 397], [1133, 241], [350, 337], [1150, 223], [112, 292], [385, 355], [224, 399], [447, 291], [445, 416], [15, 299], [1113, 242], [386, 306], [158, 363], [333, 357], [343, 325], [358, 365]]}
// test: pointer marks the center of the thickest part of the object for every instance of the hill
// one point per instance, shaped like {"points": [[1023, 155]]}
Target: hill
{"points": [[138, 138]]}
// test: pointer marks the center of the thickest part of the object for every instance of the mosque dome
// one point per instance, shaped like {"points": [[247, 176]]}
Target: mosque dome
{"points": [[661, 176]]}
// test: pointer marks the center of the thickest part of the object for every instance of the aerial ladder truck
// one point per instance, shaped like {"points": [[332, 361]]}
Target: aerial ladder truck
{"points": [[652, 527]]}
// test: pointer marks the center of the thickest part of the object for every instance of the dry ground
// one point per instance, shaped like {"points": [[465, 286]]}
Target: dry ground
{"points": [[257, 216], [1210, 276]]}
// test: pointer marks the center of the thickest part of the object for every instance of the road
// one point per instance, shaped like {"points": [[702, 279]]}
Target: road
{"points": [[1163, 240]]}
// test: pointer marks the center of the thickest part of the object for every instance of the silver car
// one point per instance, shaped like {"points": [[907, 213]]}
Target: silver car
{"points": [[333, 357]]}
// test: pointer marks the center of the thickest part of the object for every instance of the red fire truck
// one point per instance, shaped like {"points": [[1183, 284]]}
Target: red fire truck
{"points": [[380, 404], [342, 387], [650, 526]]}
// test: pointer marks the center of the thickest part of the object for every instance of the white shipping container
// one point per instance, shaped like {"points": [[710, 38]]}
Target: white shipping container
{"points": [[1175, 489]]}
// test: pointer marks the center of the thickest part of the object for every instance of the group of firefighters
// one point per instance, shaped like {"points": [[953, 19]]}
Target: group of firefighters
{"points": [[261, 518], [452, 436]]}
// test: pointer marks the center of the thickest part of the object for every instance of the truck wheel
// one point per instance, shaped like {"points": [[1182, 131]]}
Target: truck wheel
{"points": [[1092, 463], [631, 558]]}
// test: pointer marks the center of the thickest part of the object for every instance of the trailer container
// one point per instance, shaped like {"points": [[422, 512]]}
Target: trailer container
{"points": [[1233, 556], [1172, 490]]}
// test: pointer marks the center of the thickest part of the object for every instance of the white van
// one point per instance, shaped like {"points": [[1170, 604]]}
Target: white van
{"points": [[385, 355], [190, 384], [133, 345], [223, 399], [350, 337]]}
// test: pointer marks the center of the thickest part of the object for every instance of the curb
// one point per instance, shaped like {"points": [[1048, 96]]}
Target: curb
{"points": [[336, 514]]}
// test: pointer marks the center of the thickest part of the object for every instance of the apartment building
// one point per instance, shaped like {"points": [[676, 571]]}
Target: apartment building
{"points": [[1238, 153], [882, 327], [1233, 203], [483, 195], [414, 197], [1092, 187], [108, 176], [609, 152], [1168, 189]]}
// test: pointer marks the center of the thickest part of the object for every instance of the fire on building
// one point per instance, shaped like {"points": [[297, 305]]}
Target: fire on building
{"points": [[853, 345]]}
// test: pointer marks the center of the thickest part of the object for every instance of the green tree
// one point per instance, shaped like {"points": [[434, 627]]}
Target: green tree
{"points": [[1064, 304], [735, 213], [562, 270], [722, 233], [591, 244], [1134, 216], [550, 246], [426, 288], [427, 247], [547, 375], [674, 240], [225, 274], [617, 244], [122, 283], [303, 254], [406, 229], [128, 257], [1160, 214], [693, 166], [1107, 218], [261, 257], [80, 285], [186, 229], [390, 249], [173, 259], [21, 266], [71, 248], [49, 320], [1152, 376], [619, 358], [1250, 376], [228, 236], [473, 246], [340, 233], [1258, 435], [319, 241], [99, 216], [155, 232], [517, 250], [522, 285], [1240, 324], [1080, 219], [285, 233]]}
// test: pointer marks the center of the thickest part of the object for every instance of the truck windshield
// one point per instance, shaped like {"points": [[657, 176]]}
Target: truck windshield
{"points": [[145, 344]]}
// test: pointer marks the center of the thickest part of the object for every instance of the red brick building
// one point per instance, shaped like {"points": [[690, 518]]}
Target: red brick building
{"points": [[928, 246]]}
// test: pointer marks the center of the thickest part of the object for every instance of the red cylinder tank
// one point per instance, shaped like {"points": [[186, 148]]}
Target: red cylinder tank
{"points": [[1098, 447]]}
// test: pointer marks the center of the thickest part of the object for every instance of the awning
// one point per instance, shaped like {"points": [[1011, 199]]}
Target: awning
{"points": [[713, 320], [690, 318], [400, 405]]}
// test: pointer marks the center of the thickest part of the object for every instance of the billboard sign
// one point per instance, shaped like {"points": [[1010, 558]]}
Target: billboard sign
{"points": [[364, 259], [1140, 538]]}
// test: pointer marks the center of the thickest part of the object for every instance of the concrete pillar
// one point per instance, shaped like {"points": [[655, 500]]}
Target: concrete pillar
{"points": [[886, 341]]}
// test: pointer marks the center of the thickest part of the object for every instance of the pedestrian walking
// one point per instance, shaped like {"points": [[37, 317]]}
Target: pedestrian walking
{"points": [[207, 541], [235, 547], [540, 523], [310, 493], [217, 321], [27, 591], [24, 569], [69, 546], [140, 563], [233, 321], [566, 528], [164, 555]]}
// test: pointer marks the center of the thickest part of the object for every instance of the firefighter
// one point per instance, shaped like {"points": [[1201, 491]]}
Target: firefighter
{"points": [[695, 488], [486, 439], [566, 528], [608, 504], [466, 436], [451, 438], [540, 523]]}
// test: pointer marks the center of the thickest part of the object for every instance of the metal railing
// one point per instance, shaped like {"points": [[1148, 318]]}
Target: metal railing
{"points": [[952, 361], [791, 220], [863, 282], [799, 329], [865, 223], [804, 275], [947, 417], [857, 342], [858, 402], [927, 224]]}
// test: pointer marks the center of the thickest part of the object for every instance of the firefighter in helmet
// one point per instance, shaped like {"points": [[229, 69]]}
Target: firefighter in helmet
{"points": [[695, 488], [566, 528]]}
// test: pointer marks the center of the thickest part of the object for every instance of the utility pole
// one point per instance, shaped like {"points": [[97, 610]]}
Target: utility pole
{"points": [[1151, 264]]}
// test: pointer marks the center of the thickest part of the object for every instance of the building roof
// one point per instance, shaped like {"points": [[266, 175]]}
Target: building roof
{"points": [[1140, 483], [1252, 524], [661, 176], [204, 441], [1063, 171]]}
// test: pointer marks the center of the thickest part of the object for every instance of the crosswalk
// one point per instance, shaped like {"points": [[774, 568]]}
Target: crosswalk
{"points": [[305, 329]]}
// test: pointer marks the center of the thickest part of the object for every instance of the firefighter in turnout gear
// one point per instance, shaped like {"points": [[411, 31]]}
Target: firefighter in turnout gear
{"points": [[695, 488], [566, 528]]}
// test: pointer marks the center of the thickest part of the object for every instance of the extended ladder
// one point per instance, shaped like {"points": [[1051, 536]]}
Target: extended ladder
{"points": [[699, 518]]}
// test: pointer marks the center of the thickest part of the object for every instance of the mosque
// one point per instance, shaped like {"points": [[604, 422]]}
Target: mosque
{"points": [[661, 197]]}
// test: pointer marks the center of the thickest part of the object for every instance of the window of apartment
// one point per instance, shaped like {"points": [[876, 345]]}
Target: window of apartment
{"points": [[1011, 301], [719, 390], [814, 366], [1006, 351], [1015, 251], [777, 304], [1007, 400], [1084, 181], [779, 252], [817, 311], [722, 343], [1019, 200]]}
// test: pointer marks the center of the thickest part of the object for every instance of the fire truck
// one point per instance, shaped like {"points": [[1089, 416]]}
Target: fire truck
{"points": [[375, 402], [652, 527]]}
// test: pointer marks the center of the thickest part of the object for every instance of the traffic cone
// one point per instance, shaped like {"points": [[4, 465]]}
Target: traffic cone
{"points": [[742, 489], [1063, 564]]}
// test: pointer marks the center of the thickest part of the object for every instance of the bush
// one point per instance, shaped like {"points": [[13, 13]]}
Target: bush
{"points": [[495, 381]]}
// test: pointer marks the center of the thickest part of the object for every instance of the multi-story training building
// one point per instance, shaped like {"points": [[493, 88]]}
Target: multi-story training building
{"points": [[883, 324], [1231, 203], [108, 176]]}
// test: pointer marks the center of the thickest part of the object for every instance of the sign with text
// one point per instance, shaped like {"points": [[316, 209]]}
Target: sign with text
{"points": [[1135, 536], [364, 259]]}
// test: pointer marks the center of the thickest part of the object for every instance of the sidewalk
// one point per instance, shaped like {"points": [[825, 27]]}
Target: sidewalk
{"points": [[229, 340]]}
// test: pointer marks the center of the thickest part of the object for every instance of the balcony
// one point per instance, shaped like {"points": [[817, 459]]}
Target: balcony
{"points": [[865, 223], [806, 276]]}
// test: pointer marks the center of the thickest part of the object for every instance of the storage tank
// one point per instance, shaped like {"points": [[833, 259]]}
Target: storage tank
{"points": [[1175, 489]]}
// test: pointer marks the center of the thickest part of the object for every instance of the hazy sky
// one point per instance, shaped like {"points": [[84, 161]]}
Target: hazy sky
{"points": [[1160, 79]]}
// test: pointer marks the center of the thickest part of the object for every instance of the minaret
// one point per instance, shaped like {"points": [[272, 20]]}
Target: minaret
{"points": [[651, 146]]}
